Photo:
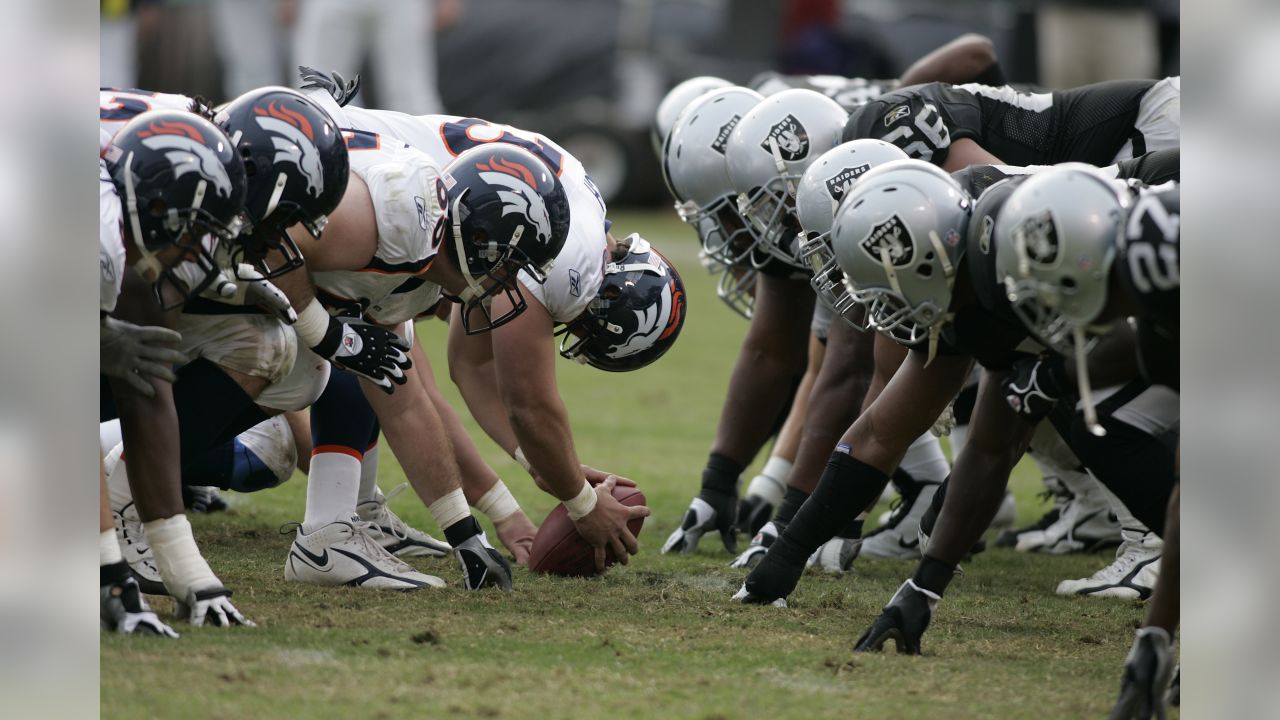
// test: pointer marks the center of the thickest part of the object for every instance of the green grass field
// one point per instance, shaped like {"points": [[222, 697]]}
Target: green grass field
{"points": [[658, 638]]}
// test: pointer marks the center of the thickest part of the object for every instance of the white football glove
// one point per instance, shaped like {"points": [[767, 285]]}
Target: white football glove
{"points": [[212, 604]]}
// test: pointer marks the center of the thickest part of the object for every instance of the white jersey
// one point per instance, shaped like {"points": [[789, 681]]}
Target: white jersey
{"points": [[117, 107], [578, 270], [403, 185], [110, 242]]}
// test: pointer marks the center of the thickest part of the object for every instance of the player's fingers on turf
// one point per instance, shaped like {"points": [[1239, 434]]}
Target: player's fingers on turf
{"points": [[600, 564], [629, 541], [620, 548]]}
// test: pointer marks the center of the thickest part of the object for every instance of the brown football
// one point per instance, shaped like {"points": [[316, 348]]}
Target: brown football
{"points": [[559, 549]]}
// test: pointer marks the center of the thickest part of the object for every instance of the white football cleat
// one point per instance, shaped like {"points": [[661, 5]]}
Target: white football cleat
{"points": [[1085, 523], [1131, 577], [1007, 514], [136, 551], [758, 547], [393, 534], [343, 553], [899, 538], [835, 555]]}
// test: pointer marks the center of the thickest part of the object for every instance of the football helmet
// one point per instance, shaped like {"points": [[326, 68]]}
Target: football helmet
{"points": [[505, 211], [898, 237], [693, 165], [768, 152], [635, 317], [675, 101], [296, 162], [818, 195], [181, 182], [1056, 237], [737, 289]]}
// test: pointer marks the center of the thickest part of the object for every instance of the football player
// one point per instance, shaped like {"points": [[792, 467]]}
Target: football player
{"points": [[955, 126], [1136, 275], [172, 187], [620, 306]]}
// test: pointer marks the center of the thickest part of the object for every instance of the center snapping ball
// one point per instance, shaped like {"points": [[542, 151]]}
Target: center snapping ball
{"points": [[559, 549]]}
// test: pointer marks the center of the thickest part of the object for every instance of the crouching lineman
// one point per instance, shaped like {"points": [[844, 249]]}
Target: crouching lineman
{"points": [[621, 306], [1132, 271], [170, 182]]}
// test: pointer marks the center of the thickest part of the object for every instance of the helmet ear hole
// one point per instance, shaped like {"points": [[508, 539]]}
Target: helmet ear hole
{"points": [[924, 270], [1068, 285], [157, 207]]}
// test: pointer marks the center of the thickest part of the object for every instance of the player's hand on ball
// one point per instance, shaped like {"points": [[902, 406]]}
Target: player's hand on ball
{"points": [[516, 531], [212, 605], [606, 525], [595, 477], [137, 353]]}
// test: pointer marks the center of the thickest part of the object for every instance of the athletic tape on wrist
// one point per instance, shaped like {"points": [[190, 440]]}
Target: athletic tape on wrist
{"points": [[583, 503], [518, 455], [312, 324], [499, 504], [181, 565]]}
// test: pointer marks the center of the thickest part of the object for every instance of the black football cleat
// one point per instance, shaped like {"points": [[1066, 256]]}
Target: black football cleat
{"points": [[903, 620]]}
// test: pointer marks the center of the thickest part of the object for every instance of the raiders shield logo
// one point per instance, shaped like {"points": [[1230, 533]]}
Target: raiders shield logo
{"points": [[1039, 235], [791, 137], [722, 137], [839, 183], [891, 235]]}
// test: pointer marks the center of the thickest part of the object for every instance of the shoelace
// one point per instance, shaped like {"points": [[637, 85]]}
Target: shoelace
{"points": [[360, 529], [393, 523]]}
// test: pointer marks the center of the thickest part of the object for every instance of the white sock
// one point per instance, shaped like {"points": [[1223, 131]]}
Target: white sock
{"points": [[333, 486], [118, 493], [924, 460], [109, 435], [108, 548], [450, 509], [369, 475], [771, 483]]}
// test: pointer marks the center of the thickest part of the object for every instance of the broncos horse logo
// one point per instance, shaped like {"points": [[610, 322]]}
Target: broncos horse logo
{"points": [[185, 148], [294, 141], [520, 195]]}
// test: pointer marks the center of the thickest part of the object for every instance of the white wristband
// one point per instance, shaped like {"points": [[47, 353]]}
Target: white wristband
{"points": [[499, 504], [519, 457], [581, 505], [312, 324]]}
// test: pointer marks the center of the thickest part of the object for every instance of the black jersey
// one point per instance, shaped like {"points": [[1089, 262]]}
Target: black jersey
{"points": [[1088, 124], [1148, 269], [849, 93], [987, 328]]}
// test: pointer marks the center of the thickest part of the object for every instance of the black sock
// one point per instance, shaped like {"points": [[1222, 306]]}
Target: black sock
{"points": [[931, 513], [115, 573], [791, 503], [721, 475], [207, 401], [462, 530], [852, 530], [933, 575], [847, 487]]}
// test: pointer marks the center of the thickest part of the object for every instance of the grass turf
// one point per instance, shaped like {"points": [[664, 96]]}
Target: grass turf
{"points": [[655, 638]]}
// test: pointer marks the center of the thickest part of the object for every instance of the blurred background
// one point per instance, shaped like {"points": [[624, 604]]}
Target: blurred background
{"points": [[590, 73]]}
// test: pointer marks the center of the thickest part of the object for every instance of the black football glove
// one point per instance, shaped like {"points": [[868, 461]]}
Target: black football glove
{"points": [[374, 353], [1036, 385], [331, 82], [903, 620]]}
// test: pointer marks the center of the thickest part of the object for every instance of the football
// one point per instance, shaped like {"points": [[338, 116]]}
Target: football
{"points": [[559, 549]]}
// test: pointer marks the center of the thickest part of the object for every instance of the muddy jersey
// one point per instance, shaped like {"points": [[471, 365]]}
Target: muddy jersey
{"points": [[1148, 267], [110, 242], [576, 274], [407, 200], [849, 93], [1093, 124]]}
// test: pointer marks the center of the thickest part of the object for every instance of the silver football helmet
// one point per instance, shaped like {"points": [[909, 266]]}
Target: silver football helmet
{"points": [[768, 152], [818, 195], [1056, 237], [694, 167], [898, 237], [674, 103]]}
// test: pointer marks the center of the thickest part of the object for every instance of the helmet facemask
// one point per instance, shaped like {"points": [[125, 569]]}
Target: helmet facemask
{"points": [[770, 209], [482, 259], [726, 236]]}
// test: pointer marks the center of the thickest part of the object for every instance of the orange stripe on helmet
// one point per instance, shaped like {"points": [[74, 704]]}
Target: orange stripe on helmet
{"points": [[171, 127], [293, 117], [507, 167]]}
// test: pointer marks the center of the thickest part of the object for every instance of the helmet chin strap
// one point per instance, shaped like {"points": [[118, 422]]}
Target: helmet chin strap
{"points": [[781, 165], [473, 289], [148, 264], [1082, 383]]}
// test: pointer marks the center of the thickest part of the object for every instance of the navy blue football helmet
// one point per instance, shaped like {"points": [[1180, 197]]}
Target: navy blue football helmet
{"points": [[296, 162], [180, 182], [635, 317], [506, 212]]}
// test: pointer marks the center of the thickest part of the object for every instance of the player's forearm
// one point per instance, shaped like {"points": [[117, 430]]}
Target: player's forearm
{"points": [[479, 388], [541, 426], [959, 61], [150, 428]]}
